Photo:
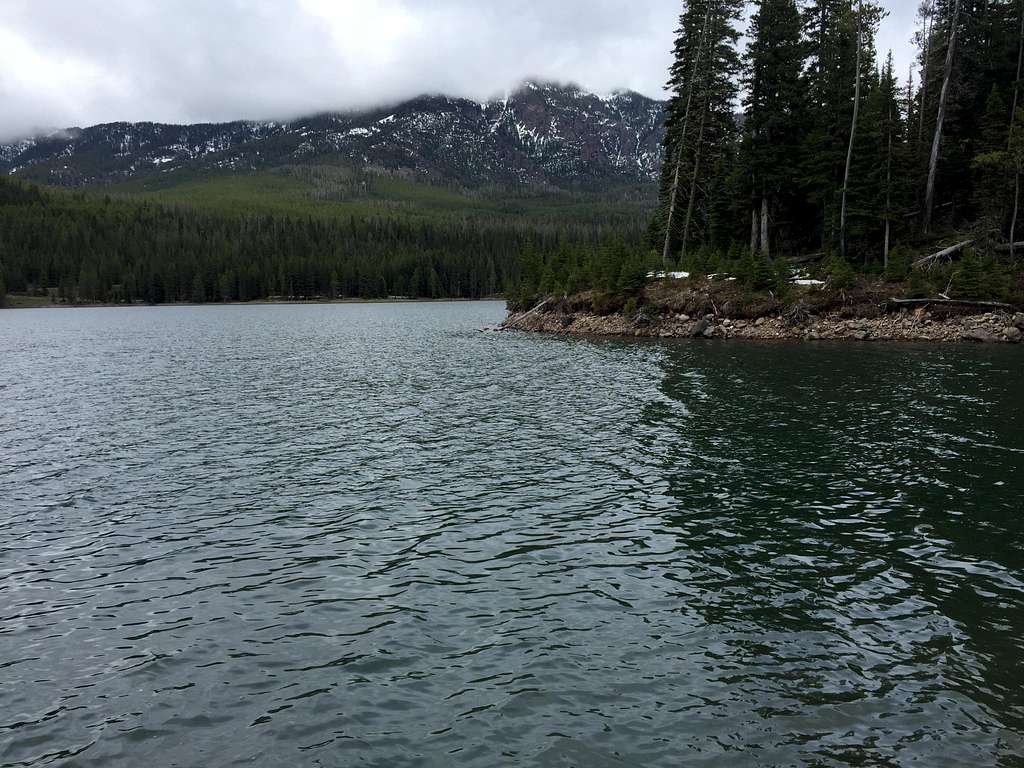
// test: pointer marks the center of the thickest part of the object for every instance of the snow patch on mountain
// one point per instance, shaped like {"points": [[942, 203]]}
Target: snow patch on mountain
{"points": [[542, 133]]}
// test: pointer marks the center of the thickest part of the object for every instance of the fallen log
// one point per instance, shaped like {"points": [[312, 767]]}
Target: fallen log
{"points": [[950, 302], [943, 254], [513, 322], [1006, 248], [806, 258]]}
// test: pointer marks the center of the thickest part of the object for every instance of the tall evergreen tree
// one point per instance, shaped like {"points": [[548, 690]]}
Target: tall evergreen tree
{"points": [[773, 127], [830, 41], [926, 15], [894, 147], [699, 125]]}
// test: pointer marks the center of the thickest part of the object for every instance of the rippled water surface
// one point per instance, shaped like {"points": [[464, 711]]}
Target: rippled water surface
{"points": [[373, 535]]}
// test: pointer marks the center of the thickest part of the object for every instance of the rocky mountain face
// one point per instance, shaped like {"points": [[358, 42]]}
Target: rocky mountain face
{"points": [[542, 134]]}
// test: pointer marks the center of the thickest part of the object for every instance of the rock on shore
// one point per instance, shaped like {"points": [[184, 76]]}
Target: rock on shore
{"points": [[919, 325]]}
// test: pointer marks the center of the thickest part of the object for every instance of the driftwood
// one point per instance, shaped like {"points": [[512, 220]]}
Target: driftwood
{"points": [[951, 302], [1006, 248], [927, 261], [510, 324]]}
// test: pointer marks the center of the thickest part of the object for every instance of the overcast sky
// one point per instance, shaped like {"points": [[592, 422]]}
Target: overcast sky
{"points": [[81, 62]]}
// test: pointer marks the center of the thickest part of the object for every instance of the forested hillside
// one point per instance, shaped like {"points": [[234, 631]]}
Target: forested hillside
{"points": [[241, 244], [835, 162]]}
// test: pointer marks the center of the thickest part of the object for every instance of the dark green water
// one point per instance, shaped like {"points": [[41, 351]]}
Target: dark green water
{"points": [[372, 535]]}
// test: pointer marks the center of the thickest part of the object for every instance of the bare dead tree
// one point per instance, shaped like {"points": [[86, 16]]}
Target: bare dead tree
{"points": [[853, 131], [888, 183], [695, 174], [674, 192], [1009, 142], [929, 195]]}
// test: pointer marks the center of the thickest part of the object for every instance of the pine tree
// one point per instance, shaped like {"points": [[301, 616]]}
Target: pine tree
{"points": [[699, 126], [894, 144], [773, 128], [831, 46], [926, 14]]}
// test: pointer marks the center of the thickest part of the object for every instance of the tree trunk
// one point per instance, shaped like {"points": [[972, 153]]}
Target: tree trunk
{"points": [[1009, 141], [944, 253], [853, 134], [949, 302], [693, 179], [667, 250], [764, 226], [885, 254], [1016, 209], [755, 229], [888, 187], [929, 195], [1016, 85]]}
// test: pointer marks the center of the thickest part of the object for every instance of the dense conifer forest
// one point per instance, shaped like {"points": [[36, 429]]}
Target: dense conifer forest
{"points": [[87, 248], [805, 148]]}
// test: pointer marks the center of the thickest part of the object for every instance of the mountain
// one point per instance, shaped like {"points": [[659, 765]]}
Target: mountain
{"points": [[542, 134]]}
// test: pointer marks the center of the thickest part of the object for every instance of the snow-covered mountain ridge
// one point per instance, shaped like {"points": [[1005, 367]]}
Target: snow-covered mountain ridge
{"points": [[540, 134]]}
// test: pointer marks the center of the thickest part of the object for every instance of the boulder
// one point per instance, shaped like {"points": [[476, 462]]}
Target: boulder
{"points": [[698, 328], [979, 335], [1013, 334], [1018, 321]]}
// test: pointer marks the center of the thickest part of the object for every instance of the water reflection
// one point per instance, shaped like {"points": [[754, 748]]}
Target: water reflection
{"points": [[834, 513]]}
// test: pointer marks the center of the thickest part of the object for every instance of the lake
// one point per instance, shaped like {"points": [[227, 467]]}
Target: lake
{"points": [[369, 534]]}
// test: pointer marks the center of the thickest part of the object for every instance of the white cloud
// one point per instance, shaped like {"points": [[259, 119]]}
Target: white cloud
{"points": [[80, 62]]}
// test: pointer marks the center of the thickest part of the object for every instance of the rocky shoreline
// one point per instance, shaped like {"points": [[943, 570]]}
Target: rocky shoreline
{"points": [[905, 325]]}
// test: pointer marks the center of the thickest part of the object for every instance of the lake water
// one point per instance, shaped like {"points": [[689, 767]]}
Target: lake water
{"points": [[373, 535]]}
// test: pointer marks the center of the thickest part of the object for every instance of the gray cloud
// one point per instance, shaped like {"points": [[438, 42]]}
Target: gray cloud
{"points": [[80, 62]]}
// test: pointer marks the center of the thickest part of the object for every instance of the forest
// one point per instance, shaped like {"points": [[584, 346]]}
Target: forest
{"points": [[80, 247], [805, 148]]}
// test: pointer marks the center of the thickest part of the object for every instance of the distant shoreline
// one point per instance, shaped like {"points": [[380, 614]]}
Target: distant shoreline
{"points": [[15, 301]]}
